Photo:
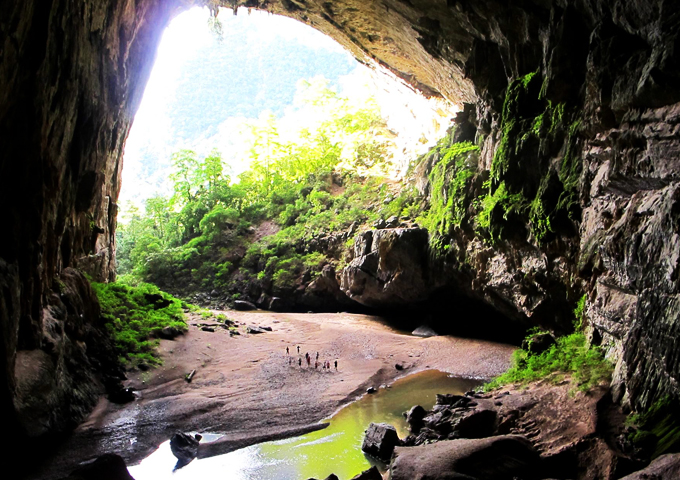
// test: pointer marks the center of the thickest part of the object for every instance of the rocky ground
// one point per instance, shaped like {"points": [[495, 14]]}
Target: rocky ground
{"points": [[547, 429], [245, 387]]}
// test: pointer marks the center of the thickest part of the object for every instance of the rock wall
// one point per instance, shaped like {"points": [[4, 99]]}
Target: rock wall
{"points": [[600, 175], [72, 74]]}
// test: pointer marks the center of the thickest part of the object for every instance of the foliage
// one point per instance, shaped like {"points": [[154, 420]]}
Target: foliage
{"points": [[310, 182], [448, 180], [135, 315], [570, 355], [658, 428]]}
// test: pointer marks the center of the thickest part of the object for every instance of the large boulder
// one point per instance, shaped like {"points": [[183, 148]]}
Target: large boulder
{"points": [[184, 447], [665, 467], [389, 268], [380, 441], [424, 331], [371, 474], [486, 458], [244, 305]]}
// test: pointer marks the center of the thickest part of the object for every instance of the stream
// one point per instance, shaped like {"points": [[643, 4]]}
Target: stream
{"points": [[335, 449]]}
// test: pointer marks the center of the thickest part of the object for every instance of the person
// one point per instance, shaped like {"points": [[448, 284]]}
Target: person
{"points": [[316, 365], [287, 351], [309, 360], [336, 365], [298, 349], [290, 360], [300, 362], [317, 355]]}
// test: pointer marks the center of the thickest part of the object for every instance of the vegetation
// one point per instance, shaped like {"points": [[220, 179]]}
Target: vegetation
{"points": [[314, 181], [658, 428], [570, 355], [135, 316]]}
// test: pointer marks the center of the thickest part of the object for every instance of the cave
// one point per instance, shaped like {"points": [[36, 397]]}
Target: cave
{"points": [[606, 72]]}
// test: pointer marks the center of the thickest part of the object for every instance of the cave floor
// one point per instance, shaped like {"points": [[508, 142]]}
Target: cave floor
{"points": [[246, 388]]}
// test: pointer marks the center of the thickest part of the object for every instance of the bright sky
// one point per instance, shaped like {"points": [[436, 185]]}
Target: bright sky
{"points": [[163, 124]]}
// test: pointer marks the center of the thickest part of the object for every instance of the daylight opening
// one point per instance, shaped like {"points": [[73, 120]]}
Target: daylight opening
{"points": [[261, 147]]}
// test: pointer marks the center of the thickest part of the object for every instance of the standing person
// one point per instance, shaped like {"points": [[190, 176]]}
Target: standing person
{"points": [[287, 351], [309, 360], [317, 355], [316, 365], [290, 360], [336, 365], [298, 349], [300, 362]]}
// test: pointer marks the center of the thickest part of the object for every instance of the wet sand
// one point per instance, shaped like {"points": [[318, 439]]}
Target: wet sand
{"points": [[245, 388]]}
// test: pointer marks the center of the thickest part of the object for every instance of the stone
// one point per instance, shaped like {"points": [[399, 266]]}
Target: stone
{"points": [[106, 467], [392, 222], [169, 333], [184, 447], [424, 331], [122, 395], [371, 474], [380, 440], [244, 305], [208, 329], [664, 467], [414, 417], [476, 424], [399, 366], [252, 329], [371, 390], [494, 457]]}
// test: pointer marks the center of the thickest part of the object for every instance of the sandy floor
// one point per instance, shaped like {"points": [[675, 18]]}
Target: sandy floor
{"points": [[245, 387]]}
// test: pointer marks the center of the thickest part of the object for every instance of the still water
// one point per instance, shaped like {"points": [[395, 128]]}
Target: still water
{"points": [[336, 449]]}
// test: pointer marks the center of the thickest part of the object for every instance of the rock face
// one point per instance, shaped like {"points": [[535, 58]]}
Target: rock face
{"points": [[574, 106], [388, 268], [71, 78], [665, 467], [494, 457]]}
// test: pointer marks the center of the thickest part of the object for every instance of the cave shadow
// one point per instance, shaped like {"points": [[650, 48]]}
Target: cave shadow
{"points": [[449, 312]]}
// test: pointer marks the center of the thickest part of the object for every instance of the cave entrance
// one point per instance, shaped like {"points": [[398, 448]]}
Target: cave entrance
{"points": [[253, 125]]}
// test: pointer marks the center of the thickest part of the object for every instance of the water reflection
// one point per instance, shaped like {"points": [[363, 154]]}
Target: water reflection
{"points": [[336, 449]]}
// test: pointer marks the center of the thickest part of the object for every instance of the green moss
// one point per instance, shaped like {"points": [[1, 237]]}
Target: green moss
{"points": [[500, 204], [448, 180], [658, 428], [580, 312], [135, 315]]}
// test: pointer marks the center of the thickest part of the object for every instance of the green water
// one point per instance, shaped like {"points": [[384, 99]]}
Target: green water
{"points": [[336, 449]]}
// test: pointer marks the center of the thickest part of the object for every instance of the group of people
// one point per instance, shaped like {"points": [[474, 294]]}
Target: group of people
{"points": [[325, 365]]}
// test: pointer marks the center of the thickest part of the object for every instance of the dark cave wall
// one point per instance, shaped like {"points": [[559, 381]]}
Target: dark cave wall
{"points": [[72, 74]]}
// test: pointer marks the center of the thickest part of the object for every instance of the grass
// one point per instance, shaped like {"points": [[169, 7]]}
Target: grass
{"points": [[570, 355], [134, 316]]}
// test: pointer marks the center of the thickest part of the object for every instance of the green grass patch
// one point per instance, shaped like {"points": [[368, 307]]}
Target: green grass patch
{"points": [[134, 316], [570, 356]]}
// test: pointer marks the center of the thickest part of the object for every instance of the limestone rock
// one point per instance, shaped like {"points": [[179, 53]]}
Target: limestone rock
{"points": [[665, 467], [494, 457], [424, 331], [387, 268], [244, 305], [380, 440], [371, 474]]}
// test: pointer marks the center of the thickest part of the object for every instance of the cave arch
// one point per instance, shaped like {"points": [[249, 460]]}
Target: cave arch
{"points": [[73, 74]]}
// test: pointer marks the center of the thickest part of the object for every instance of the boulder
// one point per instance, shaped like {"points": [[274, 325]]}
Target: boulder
{"points": [[475, 424], [184, 447], [371, 474], [380, 441], [414, 417], [107, 467], [122, 395], [169, 333], [370, 390], [254, 330], [388, 269], [244, 305], [665, 467], [424, 331], [486, 458]]}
